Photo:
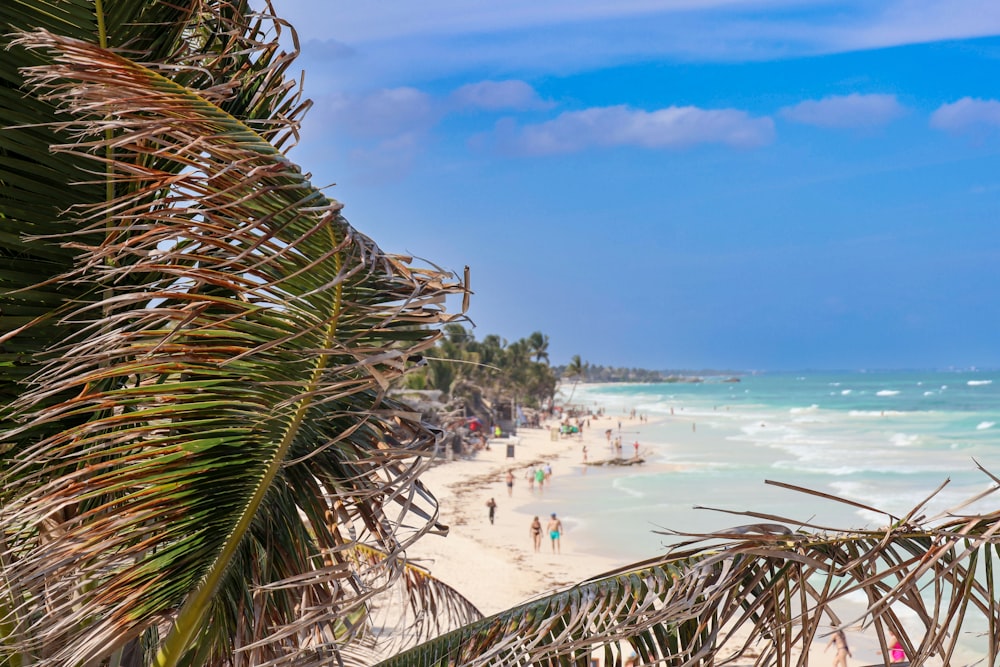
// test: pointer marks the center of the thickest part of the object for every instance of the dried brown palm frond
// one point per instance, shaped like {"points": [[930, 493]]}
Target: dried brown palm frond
{"points": [[217, 390], [409, 609], [761, 594]]}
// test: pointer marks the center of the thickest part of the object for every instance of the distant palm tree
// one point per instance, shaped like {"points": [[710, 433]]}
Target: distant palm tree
{"points": [[539, 346], [576, 370]]}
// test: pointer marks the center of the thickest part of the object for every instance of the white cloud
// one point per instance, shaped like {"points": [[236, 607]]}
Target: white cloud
{"points": [[498, 95], [846, 111], [845, 24], [383, 113], [672, 127], [967, 114], [898, 22], [395, 19], [443, 36]]}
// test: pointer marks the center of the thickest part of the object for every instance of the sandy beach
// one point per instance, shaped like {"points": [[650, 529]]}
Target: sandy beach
{"points": [[495, 566]]}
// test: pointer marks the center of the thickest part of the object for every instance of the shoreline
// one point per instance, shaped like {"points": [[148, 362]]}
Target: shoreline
{"points": [[494, 566]]}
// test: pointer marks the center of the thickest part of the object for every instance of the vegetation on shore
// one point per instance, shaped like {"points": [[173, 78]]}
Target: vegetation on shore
{"points": [[201, 462], [497, 371], [597, 373], [459, 364]]}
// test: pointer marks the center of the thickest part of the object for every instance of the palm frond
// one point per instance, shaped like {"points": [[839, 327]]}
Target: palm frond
{"points": [[217, 47], [760, 591], [410, 609], [214, 434]]}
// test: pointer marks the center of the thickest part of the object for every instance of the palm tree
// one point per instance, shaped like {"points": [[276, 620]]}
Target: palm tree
{"points": [[576, 369], [196, 436], [539, 346]]}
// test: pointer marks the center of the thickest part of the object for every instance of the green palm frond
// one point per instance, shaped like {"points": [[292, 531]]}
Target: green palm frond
{"points": [[212, 436], [762, 592]]}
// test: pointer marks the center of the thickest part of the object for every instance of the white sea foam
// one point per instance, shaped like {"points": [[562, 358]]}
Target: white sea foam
{"points": [[845, 392], [902, 499], [797, 411], [619, 485], [928, 393], [811, 419], [978, 383], [874, 413], [985, 425], [766, 432], [887, 392], [903, 439], [817, 468]]}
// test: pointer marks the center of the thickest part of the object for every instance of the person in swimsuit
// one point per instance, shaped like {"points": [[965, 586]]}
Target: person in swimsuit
{"points": [[510, 482], [896, 652], [555, 530], [536, 534], [838, 640]]}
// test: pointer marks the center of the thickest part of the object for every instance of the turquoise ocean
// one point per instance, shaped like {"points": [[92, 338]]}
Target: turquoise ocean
{"points": [[883, 439]]}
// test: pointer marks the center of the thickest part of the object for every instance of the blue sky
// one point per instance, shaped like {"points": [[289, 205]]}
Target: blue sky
{"points": [[779, 184]]}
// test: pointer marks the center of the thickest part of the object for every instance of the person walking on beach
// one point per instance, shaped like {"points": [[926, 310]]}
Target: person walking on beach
{"points": [[536, 534], [492, 505], [540, 479], [555, 531], [839, 640], [510, 482], [636, 445]]}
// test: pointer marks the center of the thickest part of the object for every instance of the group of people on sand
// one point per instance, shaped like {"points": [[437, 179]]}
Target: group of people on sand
{"points": [[554, 528], [839, 641], [534, 476], [539, 476]]}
